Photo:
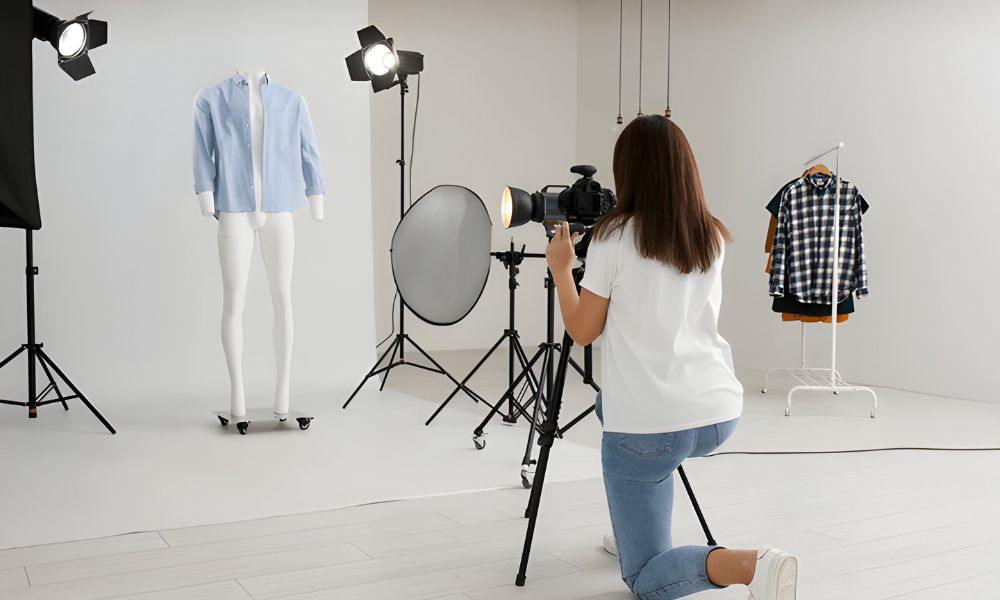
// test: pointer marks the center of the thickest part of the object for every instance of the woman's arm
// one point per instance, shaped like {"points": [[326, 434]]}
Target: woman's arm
{"points": [[583, 314]]}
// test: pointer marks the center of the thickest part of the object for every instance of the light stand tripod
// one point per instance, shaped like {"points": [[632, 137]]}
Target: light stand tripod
{"points": [[543, 389], [36, 354], [398, 345], [510, 260], [549, 431]]}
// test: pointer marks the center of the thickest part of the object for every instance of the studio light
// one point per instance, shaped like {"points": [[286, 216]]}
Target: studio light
{"points": [[378, 61], [73, 39]]}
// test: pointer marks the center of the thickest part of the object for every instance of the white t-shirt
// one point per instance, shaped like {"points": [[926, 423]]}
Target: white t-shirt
{"points": [[665, 367]]}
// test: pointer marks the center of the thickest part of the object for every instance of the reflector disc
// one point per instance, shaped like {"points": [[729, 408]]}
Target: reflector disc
{"points": [[441, 254]]}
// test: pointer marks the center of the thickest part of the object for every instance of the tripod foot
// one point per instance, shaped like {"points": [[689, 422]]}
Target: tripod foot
{"points": [[223, 420], [519, 582], [33, 413], [479, 441]]}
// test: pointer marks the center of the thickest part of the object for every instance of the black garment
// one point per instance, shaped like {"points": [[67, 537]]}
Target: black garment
{"points": [[790, 305], [18, 190]]}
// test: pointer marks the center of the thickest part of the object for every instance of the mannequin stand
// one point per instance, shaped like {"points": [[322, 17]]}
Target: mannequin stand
{"points": [[38, 357]]}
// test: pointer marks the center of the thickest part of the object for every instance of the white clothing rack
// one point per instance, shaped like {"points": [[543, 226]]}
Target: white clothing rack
{"points": [[823, 379]]}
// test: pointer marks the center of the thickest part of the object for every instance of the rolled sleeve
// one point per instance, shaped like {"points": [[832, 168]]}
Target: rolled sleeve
{"points": [[312, 169], [204, 148]]}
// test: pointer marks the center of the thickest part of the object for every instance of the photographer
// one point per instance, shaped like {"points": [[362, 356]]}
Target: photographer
{"points": [[653, 287]]}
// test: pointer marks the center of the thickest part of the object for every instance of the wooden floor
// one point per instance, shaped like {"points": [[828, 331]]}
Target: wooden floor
{"points": [[866, 526]]}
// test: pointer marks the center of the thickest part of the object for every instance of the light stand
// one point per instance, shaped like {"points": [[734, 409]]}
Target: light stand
{"points": [[510, 259], [36, 353], [548, 432], [543, 389], [398, 345]]}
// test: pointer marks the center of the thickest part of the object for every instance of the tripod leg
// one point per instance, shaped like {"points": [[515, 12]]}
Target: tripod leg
{"points": [[545, 441], [478, 431], [391, 348], [467, 378], [526, 461], [12, 356], [53, 384], [443, 370], [697, 508], [392, 359], [44, 358]]}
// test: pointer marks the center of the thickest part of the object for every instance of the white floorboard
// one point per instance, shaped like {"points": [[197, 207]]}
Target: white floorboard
{"points": [[873, 526], [172, 465]]}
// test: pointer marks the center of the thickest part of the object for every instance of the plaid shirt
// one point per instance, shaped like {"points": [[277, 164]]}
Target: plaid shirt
{"points": [[803, 242]]}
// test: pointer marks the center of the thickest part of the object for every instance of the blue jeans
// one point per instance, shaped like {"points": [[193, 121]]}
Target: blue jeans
{"points": [[639, 481]]}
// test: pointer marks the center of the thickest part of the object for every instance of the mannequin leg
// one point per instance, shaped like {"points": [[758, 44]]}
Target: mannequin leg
{"points": [[277, 242], [236, 238]]}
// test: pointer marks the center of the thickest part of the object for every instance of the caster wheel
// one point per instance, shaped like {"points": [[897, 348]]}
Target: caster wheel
{"points": [[872, 414], [223, 420], [788, 412], [528, 476], [304, 423], [242, 427], [763, 391], [479, 441], [283, 420]]}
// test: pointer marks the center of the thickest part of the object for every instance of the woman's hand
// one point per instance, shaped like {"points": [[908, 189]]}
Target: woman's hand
{"points": [[560, 253]]}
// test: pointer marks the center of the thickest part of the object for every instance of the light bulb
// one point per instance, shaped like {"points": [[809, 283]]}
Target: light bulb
{"points": [[72, 39], [379, 59]]}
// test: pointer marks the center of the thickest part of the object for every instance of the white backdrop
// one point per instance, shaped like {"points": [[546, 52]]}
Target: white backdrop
{"points": [[761, 86], [491, 113], [129, 297]]}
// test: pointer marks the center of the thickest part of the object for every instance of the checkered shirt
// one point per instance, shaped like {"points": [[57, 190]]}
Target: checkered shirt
{"points": [[803, 242]]}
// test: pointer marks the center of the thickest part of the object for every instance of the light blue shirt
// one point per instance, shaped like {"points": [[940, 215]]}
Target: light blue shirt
{"points": [[223, 161]]}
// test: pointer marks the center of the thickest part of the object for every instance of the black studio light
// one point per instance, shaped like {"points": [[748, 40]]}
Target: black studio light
{"points": [[73, 40], [20, 23], [380, 62]]}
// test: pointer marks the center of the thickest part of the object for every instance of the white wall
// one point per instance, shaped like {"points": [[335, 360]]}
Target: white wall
{"points": [[908, 85], [498, 106], [129, 297]]}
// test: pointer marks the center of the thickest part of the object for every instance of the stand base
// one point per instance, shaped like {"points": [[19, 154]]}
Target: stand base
{"points": [[398, 347], [52, 372], [260, 415]]}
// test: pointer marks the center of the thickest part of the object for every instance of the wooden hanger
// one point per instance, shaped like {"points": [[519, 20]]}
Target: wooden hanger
{"points": [[821, 168]]}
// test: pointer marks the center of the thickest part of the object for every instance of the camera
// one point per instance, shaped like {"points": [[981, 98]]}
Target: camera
{"points": [[580, 204]]}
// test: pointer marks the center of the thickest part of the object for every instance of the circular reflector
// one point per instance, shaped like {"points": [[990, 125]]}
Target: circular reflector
{"points": [[441, 254], [72, 39]]}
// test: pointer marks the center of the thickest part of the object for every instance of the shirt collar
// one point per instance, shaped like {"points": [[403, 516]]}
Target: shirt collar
{"points": [[240, 79], [820, 181]]}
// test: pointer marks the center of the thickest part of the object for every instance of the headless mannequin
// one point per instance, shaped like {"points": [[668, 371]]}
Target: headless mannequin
{"points": [[275, 234]]}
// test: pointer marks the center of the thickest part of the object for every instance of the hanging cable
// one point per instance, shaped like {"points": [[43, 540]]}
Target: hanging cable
{"points": [[621, 14], [669, 39], [641, 2], [413, 137]]}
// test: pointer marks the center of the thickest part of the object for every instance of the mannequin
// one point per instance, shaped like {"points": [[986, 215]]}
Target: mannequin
{"points": [[275, 233]]}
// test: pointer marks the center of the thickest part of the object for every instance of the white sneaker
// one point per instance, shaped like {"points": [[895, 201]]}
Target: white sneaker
{"points": [[776, 575], [610, 545]]}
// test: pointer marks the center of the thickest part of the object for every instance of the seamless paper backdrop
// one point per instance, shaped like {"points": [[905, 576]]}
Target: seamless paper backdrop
{"points": [[129, 297]]}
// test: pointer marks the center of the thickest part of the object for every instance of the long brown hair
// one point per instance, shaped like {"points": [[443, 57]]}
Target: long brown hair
{"points": [[659, 189]]}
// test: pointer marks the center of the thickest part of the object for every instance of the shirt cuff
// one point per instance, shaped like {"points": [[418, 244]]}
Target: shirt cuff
{"points": [[777, 291]]}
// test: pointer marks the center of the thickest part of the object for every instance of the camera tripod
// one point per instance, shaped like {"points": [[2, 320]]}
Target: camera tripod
{"points": [[37, 357], [542, 387], [548, 432], [510, 259]]}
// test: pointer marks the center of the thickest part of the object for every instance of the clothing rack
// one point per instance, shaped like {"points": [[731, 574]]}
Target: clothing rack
{"points": [[824, 379]]}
